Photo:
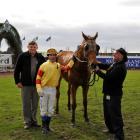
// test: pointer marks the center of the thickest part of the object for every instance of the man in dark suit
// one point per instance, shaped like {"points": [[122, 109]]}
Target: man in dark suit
{"points": [[25, 78], [112, 88]]}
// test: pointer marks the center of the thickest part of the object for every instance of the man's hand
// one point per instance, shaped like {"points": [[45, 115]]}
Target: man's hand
{"points": [[41, 93], [19, 85], [65, 68], [97, 68]]}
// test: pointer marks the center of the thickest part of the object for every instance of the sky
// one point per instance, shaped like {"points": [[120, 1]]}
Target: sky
{"points": [[116, 21]]}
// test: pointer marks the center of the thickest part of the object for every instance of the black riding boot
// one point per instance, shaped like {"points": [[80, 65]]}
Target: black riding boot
{"points": [[48, 123], [44, 127]]}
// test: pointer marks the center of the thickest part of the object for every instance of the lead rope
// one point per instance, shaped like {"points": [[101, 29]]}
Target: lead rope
{"points": [[92, 82], [95, 92], [98, 99]]}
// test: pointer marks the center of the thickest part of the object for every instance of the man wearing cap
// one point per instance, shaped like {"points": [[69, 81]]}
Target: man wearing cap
{"points": [[25, 78], [46, 82], [112, 88]]}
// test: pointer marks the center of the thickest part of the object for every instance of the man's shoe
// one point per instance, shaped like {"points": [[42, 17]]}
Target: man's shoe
{"points": [[105, 131], [112, 137], [50, 129], [27, 126]]}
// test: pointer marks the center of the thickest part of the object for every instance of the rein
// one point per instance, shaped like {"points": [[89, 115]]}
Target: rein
{"points": [[93, 80]]}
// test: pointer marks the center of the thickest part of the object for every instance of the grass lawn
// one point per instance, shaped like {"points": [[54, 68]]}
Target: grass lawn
{"points": [[11, 121]]}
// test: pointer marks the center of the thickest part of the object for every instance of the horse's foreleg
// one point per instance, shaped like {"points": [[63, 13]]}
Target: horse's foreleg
{"points": [[57, 97], [69, 104], [85, 92], [57, 101], [73, 94]]}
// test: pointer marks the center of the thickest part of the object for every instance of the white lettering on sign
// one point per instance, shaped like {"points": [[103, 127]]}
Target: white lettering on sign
{"points": [[133, 63], [5, 59]]}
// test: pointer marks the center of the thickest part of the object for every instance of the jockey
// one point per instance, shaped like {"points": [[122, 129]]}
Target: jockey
{"points": [[46, 82]]}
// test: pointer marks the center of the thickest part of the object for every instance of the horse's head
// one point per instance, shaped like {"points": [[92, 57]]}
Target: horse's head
{"points": [[88, 48], [5, 28], [11, 35], [9, 32]]}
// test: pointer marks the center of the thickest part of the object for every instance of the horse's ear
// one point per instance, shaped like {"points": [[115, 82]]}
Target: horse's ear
{"points": [[96, 35], [84, 36]]}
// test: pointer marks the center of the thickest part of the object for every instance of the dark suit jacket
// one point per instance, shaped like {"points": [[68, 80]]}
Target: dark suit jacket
{"points": [[113, 78], [22, 72]]}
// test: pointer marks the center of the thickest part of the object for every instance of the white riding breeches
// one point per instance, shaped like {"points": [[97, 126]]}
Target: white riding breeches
{"points": [[47, 101]]}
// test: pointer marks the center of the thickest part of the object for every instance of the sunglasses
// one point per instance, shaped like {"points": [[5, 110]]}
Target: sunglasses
{"points": [[51, 54]]}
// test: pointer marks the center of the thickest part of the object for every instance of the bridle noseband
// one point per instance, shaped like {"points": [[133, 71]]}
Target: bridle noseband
{"points": [[78, 59]]}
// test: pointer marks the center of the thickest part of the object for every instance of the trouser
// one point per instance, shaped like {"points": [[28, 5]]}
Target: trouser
{"points": [[113, 116], [47, 101], [30, 100]]}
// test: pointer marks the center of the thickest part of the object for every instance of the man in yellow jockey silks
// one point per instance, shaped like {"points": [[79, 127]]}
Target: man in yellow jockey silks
{"points": [[46, 82]]}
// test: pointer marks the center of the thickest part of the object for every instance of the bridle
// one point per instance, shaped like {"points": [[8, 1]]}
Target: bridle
{"points": [[77, 58]]}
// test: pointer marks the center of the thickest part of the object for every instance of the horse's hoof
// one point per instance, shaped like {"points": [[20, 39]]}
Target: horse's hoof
{"points": [[73, 125], [56, 113], [87, 120]]}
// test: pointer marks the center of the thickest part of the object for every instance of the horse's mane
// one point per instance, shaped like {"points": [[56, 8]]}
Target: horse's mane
{"points": [[78, 52]]}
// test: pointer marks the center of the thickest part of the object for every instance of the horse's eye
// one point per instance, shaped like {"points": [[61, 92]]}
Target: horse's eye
{"points": [[86, 47], [97, 49]]}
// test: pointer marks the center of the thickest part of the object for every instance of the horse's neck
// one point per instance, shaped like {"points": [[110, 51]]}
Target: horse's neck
{"points": [[80, 66]]}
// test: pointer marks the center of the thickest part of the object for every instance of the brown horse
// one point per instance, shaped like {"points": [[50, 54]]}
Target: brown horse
{"points": [[79, 74]]}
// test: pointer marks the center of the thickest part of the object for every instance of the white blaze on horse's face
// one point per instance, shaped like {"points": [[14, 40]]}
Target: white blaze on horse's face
{"points": [[90, 48]]}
